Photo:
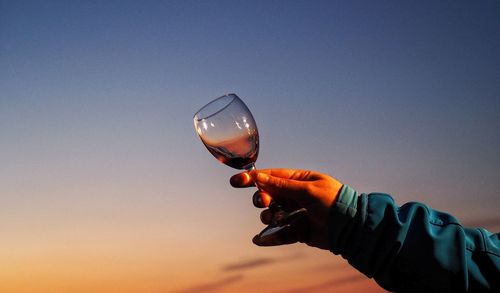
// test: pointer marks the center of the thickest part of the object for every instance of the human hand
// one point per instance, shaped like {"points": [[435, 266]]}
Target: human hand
{"points": [[314, 191]]}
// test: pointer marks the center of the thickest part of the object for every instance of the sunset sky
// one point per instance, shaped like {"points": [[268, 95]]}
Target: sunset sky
{"points": [[105, 186]]}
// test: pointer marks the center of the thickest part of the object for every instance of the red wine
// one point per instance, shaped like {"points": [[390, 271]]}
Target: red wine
{"points": [[239, 152]]}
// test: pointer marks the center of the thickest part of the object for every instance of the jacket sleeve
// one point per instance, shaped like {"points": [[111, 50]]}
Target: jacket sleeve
{"points": [[412, 248]]}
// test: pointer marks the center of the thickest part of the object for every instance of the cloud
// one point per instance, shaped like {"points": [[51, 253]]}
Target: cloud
{"points": [[249, 264], [259, 262], [327, 284], [212, 286]]}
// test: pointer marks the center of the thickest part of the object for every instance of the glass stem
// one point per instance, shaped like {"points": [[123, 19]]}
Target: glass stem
{"points": [[273, 206], [253, 168]]}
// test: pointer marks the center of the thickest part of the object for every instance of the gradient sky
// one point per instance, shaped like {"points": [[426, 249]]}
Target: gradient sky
{"points": [[105, 186]]}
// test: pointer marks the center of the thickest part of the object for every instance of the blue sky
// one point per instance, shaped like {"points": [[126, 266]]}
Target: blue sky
{"points": [[97, 99]]}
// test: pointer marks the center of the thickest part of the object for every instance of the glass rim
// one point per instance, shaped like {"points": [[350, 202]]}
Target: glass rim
{"points": [[233, 96]]}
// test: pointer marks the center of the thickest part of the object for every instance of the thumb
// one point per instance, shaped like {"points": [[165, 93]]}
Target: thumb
{"points": [[277, 186]]}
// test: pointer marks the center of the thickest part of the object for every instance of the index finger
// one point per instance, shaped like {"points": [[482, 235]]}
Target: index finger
{"points": [[294, 174], [241, 180]]}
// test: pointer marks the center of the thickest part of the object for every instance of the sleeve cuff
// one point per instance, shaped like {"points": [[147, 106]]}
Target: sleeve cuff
{"points": [[342, 219], [347, 201]]}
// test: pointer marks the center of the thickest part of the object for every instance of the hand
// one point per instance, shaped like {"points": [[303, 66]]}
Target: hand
{"points": [[311, 190]]}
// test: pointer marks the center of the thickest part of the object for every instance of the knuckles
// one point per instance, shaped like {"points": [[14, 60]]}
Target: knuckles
{"points": [[279, 183]]}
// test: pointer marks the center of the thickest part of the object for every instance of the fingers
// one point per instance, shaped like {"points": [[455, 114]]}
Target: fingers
{"points": [[288, 234], [241, 180], [266, 217], [282, 184], [280, 188], [245, 179], [294, 174], [261, 199]]}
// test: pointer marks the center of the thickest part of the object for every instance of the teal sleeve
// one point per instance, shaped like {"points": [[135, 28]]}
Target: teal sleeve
{"points": [[412, 248]]}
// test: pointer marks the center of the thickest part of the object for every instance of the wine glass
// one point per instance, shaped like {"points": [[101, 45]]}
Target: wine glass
{"points": [[228, 130]]}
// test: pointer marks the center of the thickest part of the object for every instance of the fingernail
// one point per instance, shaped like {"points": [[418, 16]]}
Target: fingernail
{"points": [[257, 201], [262, 178]]}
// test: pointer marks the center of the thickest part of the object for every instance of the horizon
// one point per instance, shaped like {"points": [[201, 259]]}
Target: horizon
{"points": [[106, 187]]}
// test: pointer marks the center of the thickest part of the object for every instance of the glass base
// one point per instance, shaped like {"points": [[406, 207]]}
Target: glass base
{"points": [[286, 228]]}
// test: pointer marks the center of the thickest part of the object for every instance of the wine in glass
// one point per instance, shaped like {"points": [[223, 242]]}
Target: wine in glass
{"points": [[228, 130]]}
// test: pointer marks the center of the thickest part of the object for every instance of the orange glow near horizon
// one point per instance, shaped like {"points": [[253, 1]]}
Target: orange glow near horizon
{"points": [[118, 271], [105, 186]]}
